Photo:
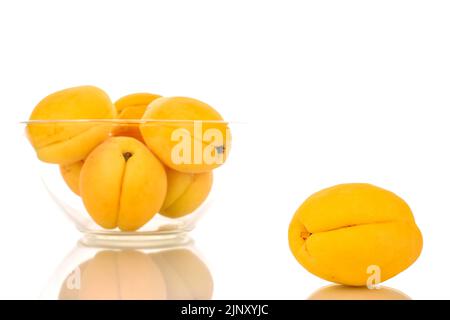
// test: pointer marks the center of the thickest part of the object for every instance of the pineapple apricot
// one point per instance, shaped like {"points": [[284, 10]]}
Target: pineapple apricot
{"points": [[185, 192], [186, 134], [122, 184], [119, 169], [68, 142], [349, 232], [132, 106], [71, 175]]}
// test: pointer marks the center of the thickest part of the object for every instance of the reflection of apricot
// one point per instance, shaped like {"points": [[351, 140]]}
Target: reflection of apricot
{"points": [[64, 142], [122, 184], [343, 232], [130, 274], [185, 192], [340, 292], [182, 144], [132, 106], [115, 275], [186, 276], [71, 175]]}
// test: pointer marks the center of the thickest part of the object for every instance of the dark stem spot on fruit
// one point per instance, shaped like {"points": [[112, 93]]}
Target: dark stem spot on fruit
{"points": [[305, 235], [127, 155]]}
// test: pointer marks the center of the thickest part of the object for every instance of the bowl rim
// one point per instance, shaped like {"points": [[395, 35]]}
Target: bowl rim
{"points": [[123, 121]]}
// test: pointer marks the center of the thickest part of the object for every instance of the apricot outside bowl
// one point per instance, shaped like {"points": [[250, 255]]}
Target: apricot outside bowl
{"points": [[165, 189]]}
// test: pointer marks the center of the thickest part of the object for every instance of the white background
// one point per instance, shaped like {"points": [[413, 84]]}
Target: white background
{"points": [[331, 92]]}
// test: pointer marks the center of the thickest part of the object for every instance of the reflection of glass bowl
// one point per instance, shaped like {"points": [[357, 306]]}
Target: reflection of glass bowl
{"points": [[158, 272], [49, 132], [341, 292]]}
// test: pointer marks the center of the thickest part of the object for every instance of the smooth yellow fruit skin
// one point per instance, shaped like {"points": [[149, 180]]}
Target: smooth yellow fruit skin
{"points": [[132, 106], [65, 142], [71, 175], [135, 100], [159, 135], [116, 275], [122, 193], [337, 233], [185, 192]]}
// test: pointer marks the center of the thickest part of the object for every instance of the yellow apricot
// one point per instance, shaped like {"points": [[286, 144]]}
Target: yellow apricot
{"points": [[68, 142], [185, 192], [115, 275], [185, 275], [132, 106], [122, 184], [354, 234], [194, 138], [135, 100], [71, 175]]}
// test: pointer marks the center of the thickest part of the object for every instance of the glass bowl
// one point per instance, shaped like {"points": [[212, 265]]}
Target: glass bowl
{"points": [[105, 202], [172, 271]]}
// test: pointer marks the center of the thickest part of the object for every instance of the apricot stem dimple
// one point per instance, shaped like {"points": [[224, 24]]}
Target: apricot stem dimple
{"points": [[127, 155], [305, 235]]}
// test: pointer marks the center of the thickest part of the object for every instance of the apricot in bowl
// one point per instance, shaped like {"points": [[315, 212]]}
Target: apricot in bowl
{"points": [[106, 164], [56, 142], [188, 136], [122, 187], [132, 106]]}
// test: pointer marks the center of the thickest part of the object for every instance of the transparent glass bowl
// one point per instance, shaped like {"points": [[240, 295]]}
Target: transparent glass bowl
{"points": [[164, 270], [68, 141]]}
